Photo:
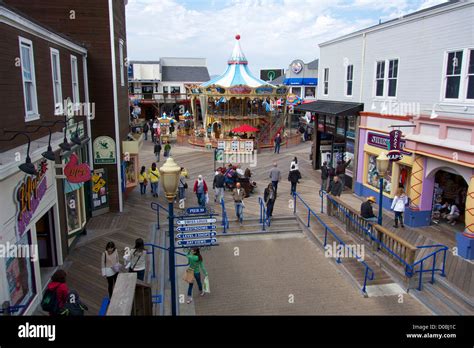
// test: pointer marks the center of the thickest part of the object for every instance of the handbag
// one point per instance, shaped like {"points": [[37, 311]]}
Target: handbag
{"points": [[188, 276], [205, 285]]}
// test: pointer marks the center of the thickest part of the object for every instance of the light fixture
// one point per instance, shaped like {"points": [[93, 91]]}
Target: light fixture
{"points": [[170, 173], [433, 114], [26, 167], [382, 164], [78, 140], [49, 153]]}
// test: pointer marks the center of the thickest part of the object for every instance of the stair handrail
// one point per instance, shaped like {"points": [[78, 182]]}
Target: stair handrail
{"points": [[441, 249], [265, 220], [225, 219], [156, 207], [152, 252], [369, 272]]}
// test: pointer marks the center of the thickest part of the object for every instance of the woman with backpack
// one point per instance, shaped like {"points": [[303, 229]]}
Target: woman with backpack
{"points": [[55, 296], [294, 176], [110, 265], [136, 259], [143, 180], [398, 206], [194, 272]]}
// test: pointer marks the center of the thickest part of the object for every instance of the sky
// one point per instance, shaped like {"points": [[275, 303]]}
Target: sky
{"points": [[273, 32]]}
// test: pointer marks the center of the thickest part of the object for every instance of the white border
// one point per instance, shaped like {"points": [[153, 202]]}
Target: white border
{"points": [[32, 115]]}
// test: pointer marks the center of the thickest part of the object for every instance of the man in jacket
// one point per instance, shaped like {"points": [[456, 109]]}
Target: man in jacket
{"points": [[238, 195], [324, 176], [146, 128], [366, 210], [157, 150], [200, 189], [341, 171], [275, 176], [277, 143], [336, 188], [218, 186]]}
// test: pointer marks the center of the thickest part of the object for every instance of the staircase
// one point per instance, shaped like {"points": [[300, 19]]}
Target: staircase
{"points": [[270, 129], [250, 226]]}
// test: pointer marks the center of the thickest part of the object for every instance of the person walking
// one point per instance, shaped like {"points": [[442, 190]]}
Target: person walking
{"points": [[336, 188], [146, 129], [366, 210], [324, 176], [154, 130], [143, 180], [182, 186], [277, 142], [157, 150], [294, 163], [398, 206], [200, 189], [238, 195], [294, 176], [196, 265], [55, 296], [331, 175], [269, 197], [341, 171], [110, 265], [275, 176], [218, 186], [154, 175], [136, 259]]}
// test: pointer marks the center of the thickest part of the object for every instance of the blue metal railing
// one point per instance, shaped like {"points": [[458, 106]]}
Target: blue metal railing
{"points": [[11, 309], [152, 252], [369, 273], [264, 218], [156, 207], [441, 249], [104, 306], [409, 268], [225, 219]]}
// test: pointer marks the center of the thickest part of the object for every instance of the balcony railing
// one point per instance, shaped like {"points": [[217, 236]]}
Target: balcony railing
{"points": [[160, 97]]}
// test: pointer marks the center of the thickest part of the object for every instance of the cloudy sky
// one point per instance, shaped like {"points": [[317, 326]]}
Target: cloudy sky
{"points": [[273, 32]]}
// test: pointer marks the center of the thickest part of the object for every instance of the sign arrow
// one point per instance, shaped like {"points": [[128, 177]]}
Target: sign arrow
{"points": [[195, 228], [196, 221], [196, 235], [197, 242]]}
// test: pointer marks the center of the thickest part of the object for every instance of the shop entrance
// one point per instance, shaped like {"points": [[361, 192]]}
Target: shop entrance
{"points": [[449, 189], [45, 235]]}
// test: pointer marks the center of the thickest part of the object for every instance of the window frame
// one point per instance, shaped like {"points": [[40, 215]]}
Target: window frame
{"points": [[387, 64], [58, 99], [467, 75], [122, 63], [34, 113], [326, 82], [378, 79], [347, 81], [75, 89]]}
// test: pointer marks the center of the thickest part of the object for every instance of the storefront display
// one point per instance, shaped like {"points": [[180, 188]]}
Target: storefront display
{"points": [[373, 175], [99, 192], [131, 171]]}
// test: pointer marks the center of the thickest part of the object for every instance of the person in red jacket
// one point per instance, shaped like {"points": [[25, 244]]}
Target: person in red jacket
{"points": [[200, 189], [58, 284]]}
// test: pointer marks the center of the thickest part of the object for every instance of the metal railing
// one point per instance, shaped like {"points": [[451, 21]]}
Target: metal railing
{"points": [[386, 241], [152, 252], [225, 219], [369, 273], [7, 310], [156, 207], [265, 220]]}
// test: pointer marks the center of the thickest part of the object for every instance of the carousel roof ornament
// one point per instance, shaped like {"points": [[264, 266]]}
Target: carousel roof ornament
{"points": [[237, 72]]}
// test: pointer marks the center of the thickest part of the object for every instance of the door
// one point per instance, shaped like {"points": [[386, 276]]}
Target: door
{"points": [[45, 235]]}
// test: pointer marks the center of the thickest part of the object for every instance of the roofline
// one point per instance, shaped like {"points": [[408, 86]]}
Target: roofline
{"points": [[144, 61], [433, 11], [14, 19]]}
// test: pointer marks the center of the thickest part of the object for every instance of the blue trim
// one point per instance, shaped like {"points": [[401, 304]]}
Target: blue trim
{"points": [[465, 246], [238, 78], [414, 218], [310, 81], [293, 81]]}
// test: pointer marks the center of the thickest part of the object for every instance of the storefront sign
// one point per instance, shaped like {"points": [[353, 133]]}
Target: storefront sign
{"points": [[394, 153], [76, 172], [297, 66], [29, 194], [104, 150], [382, 141]]}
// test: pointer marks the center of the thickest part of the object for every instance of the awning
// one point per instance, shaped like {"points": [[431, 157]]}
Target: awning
{"points": [[310, 81], [70, 187], [293, 81], [331, 107]]}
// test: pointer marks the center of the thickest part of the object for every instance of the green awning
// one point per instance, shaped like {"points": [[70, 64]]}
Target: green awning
{"points": [[70, 187]]}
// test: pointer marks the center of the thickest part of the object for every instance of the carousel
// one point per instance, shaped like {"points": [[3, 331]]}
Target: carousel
{"points": [[237, 105]]}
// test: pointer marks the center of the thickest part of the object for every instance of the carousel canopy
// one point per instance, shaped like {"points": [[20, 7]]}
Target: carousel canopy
{"points": [[237, 72]]}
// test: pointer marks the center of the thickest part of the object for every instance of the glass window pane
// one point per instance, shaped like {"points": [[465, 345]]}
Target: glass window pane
{"points": [[379, 90], [470, 69], [55, 68], [470, 87], [392, 87], [26, 65], [349, 88], [395, 68], [452, 86], [457, 62], [373, 175], [28, 94]]}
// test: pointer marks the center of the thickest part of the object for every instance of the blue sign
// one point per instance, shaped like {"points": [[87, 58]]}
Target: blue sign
{"points": [[197, 242], [196, 210], [196, 235], [196, 221], [195, 228]]}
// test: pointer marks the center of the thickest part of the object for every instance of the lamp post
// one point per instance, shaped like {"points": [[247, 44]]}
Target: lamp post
{"points": [[382, 166], [169, 173]]}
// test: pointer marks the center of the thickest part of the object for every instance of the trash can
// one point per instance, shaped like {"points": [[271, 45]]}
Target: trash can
{"points": [[465, 246]]}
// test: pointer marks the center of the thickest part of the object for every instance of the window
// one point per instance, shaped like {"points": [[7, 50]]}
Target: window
{"points": [[373, 175], [165, 90], [326, 81], [296, 91], [453, 74], [349, 76], [392, 77], [29, 81], [470, 76], [310, 92], [122, 72], [57, 90], [379, 78], [175, 89], [75, 81]]}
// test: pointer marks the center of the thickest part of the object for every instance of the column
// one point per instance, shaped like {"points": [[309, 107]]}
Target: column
{"points": [[469, 214]]}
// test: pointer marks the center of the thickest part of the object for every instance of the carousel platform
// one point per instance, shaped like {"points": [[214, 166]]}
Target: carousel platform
{"points": [[292, 140]]}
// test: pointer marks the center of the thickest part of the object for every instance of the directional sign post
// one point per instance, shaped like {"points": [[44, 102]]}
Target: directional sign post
{"points": [[196, 235], [197, 242], [196, 221], [195, 228], [196, 210]]}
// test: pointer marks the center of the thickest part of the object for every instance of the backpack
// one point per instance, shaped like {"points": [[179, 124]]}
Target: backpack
{"points": [[50, 301]]}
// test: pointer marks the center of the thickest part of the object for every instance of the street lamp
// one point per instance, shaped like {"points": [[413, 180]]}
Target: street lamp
{"points": [[382, 167], [170, 173]]}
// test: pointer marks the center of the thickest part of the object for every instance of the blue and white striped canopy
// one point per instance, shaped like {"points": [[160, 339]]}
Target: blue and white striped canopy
{"points": [[237, 72]]}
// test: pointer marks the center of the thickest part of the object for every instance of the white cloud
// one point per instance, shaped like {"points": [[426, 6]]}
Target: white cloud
{"points": [[273, 32]]}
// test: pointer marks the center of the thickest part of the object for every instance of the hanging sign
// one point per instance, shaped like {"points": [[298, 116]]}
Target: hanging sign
{"points": [[76, 172], [104, 150], [395, 145]]}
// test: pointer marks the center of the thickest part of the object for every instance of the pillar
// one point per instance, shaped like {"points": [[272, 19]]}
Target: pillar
{"points": [[465, 241], [421, 195]]}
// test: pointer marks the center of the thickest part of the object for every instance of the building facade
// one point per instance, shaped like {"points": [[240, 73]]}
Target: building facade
{"points": [[414, 74], [302, 77]]}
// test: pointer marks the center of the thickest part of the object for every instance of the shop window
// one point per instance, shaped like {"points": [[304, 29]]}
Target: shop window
{"points": [[175, 90], [349, 77], [404, 178], [373, 176], [165, 90], [296, 91], [310, 92], [470, 76]]}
